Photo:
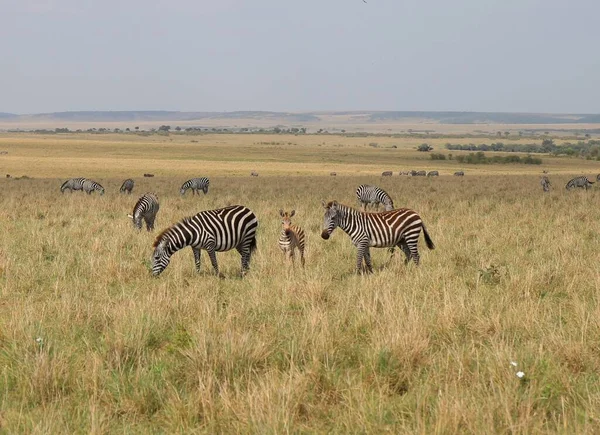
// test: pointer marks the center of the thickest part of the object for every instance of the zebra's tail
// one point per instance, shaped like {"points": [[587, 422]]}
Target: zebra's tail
{"points": [[253, 244], [428, 240]]}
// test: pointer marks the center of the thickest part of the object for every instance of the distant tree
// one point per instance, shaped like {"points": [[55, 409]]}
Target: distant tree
{"points": [[343, 131], [137, 128], [178, 128], [587, 135], [424, 147], [507, 133], [499, 133], [117, 129], [164, 128], [127, 129]]}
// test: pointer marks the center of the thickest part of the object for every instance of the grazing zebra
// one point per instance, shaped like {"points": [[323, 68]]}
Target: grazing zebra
{"points": [[90, 186], [146, 207], [73, 184], [404, 173], [433, 174], [213, 230], [545, 182], [127, 186], [386, 174], [379, 230], [579, 182], [367, 194], [421, 173], [597, 177], [254, 174], [459, 174], [196, 184], [291, 237]]}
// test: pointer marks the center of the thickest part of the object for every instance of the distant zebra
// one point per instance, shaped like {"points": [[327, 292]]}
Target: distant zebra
{"points": [[73, 184], [379, 230], [90, 186], [404, 173], [413, 173], [597, 177], [421, 173], [386, 174], [581, 181], [254, 174], [145, 208], [213, 230], [367, 194], [433, 174], [459, 174], [332, 174], [196, 184], [545, 182], [291, 237], [127, 186]]}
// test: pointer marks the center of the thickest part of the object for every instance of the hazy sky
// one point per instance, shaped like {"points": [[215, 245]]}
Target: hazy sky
{"points": [[226, 55]]}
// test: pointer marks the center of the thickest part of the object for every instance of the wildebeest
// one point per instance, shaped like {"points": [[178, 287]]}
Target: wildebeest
{"points": [[459, 173], [433, 174], [148, 175], [332, 174], [386, 174], [254, 174]]}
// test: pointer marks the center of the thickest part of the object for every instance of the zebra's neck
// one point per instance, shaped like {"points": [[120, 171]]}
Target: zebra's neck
{"points": [[347, 216]]}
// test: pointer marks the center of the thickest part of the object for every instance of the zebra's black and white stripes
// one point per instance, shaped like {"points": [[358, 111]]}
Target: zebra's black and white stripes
{"points": [[196, 184], [213, 230], [367, 194], [581, 181], [145, 208], [291, 237], [90, 186], [127, 186], [379, 230], [545, 182], [73, 184]]}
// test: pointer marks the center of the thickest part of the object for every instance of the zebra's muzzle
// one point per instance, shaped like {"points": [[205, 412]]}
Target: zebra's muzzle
{"points": [[325, 235]]}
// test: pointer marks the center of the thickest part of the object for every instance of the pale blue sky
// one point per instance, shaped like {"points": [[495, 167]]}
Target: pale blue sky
{"points": [[226, 55]]}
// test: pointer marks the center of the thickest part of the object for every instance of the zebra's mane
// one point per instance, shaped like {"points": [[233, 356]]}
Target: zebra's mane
{"points": [[166, 231]]}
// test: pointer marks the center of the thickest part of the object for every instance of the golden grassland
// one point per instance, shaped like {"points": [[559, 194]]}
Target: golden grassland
{"points": [[91, 343]]}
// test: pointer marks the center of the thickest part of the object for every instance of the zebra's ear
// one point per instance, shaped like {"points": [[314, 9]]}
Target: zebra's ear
{"points": [[334, 204], [292, 213], [323, 204], [281, 212]]}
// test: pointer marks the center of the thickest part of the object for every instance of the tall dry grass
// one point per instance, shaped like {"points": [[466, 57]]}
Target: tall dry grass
{"points": [[90, 342]]}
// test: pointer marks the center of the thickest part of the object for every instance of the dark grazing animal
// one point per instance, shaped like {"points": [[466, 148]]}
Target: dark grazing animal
{"points": [[332, 174], [459, 174], [127, 186], [386, 174], [421, 173], [145, 208], [196, 184], [213, 230], [291, 237], [433, 174], [367, 194], [399, 227], [148, 175], [254, 174], [581, 181]]}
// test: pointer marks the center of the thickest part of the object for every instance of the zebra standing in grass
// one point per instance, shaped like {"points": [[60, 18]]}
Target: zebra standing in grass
{"points": [[579, 182], [545, 182], [146, 208], [127, 186], [379, 230], [213, 230], [291, 237], [433, 174], [73, 184], [90, 186], [459, 174], [386, 173], [196, 184], [367, 194]]}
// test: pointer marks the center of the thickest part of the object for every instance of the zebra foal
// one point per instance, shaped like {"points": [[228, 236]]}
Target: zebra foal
{"points": [[399, 227], [196, 184], [367, 194], [212, 230], [291, 237], [145, 208]]}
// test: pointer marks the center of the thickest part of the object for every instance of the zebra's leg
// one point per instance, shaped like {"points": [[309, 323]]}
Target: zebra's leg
{"points": [[414, 252], [213, 259], [301, 249], [246, 253], [196, 258], [368, 263]]}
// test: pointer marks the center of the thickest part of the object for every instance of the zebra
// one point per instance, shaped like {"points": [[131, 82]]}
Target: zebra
{"points": [[73, 184], [433, 174], [196, 184], [146, 207], [597, 177], [386, 174], [89, 186], [291, 237], [459, 174], [413, 173], [399, 227], [421, 173], [579, 182], [127, 186], [332, 174], [254, 174], [213, 230], [545, 182], [367, 194]]}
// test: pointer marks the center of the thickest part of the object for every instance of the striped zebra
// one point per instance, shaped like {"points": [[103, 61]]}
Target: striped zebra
{"points": [[73, 184], [582, 182], [421, 174], [459, 174], [213, 230], [145, 208], [399, 227], [196, 184], [291, 237], [597, 177], [90, 186], [545, 182], [367, 194], [433, 174], [127, 186]]}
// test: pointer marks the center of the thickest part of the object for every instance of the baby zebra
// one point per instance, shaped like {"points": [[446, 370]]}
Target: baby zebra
{"points": [[545, 182], [367, 194], [127, 186], [147, 207], [291, 237], [579, 182]]}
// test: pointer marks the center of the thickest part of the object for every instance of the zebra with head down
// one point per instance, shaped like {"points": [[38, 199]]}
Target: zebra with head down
{"points": [[127, 186], [73, 184], [196, 184], [90, 186], [581, 181]]}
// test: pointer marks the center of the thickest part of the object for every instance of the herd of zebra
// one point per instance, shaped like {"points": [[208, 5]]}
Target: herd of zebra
{"points": [[581, 181], [235, 226], [414, 173]]}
